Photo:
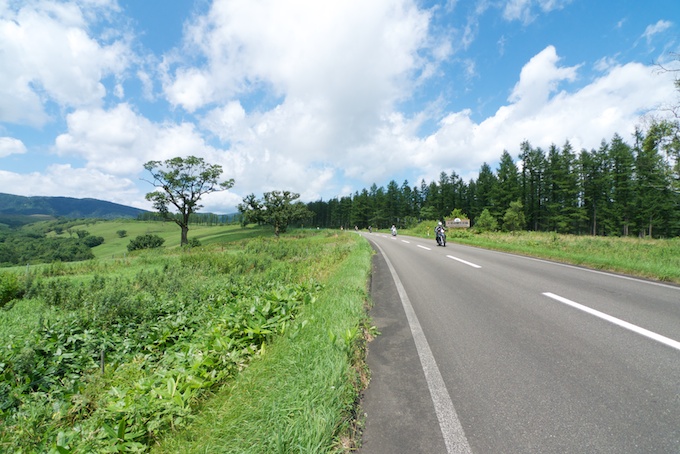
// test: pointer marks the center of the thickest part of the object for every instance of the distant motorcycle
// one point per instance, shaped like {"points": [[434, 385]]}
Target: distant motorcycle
{"points": [[441, 238]]}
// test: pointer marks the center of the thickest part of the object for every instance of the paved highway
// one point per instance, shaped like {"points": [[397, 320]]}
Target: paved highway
{"points": [[488, 352]]}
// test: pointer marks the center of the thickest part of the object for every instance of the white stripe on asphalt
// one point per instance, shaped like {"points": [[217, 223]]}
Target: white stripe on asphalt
{"points": [[423, 247], [452, 430], [629, 326], [464, 261]]}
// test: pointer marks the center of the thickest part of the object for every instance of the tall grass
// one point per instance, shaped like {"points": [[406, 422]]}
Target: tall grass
{"points": [[300, 396], [177, 327]]}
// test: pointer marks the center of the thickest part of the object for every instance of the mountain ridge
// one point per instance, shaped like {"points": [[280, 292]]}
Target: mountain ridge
{"points": [[69, 207]]}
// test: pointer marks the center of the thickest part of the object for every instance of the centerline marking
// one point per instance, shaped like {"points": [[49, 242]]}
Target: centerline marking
{"points": [[617, 321], [464, 261], [424, 247]]}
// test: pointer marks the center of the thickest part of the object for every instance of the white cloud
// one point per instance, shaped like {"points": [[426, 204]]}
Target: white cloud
{"points": [[10, 145], [48, 54], [119, 141], [655, 29], [522, 10], [537, 111], [354, 56], [64, 180]]}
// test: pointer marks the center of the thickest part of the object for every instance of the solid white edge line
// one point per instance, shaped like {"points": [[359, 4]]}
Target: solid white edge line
{"points": [[464, 261], [452, 430], [629, 326]]}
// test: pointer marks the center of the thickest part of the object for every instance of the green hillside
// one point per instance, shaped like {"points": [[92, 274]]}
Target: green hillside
{"points": [[12, 206]]}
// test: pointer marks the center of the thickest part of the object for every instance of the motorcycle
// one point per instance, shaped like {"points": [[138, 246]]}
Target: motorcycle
{"points": [[441, 238]]}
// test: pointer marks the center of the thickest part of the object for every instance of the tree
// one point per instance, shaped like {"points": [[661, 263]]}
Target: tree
{"points": [[514, 217], [183, 182], [486, 222], [276, 209]]}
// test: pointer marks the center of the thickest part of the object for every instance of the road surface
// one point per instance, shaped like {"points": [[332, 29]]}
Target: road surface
{"points": [[487, 352]]}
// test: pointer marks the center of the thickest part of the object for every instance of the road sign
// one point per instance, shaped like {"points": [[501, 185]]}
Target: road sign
{"points": [[458, 223]]}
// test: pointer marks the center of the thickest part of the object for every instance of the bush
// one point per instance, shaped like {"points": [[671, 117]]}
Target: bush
{"points": [[121, 233], [10, 288], [147, 241], [92, 241]]}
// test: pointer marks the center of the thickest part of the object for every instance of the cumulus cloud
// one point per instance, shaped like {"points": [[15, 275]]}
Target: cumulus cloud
{"points": [[119, 140], [64, 180], [537, 110], [48, 54], [10, 145]]}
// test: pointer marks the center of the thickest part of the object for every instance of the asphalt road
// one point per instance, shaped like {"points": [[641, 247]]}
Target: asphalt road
{"points": [[488, 352]]}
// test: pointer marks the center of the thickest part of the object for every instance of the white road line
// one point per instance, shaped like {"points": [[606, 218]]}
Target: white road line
{"points": [[464, 261], [452, 430], [404, 241], [423, 247], [629, 326]]}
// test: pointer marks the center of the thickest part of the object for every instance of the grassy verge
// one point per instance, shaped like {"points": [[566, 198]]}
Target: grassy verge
{"points": [[657, 259], [261, 334], [301, 395]]}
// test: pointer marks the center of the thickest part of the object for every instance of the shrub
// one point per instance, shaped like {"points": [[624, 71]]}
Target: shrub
{"points": [[121, 233], [147, 241], [10, 288], [92, 241]]}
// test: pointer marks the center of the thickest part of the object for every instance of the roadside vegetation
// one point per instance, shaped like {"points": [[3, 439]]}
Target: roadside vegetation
{"points": [[246, 344]]}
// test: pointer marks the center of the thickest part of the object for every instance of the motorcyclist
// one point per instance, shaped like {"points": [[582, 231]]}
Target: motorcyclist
{"points": [[439, 231], [394, 230]]}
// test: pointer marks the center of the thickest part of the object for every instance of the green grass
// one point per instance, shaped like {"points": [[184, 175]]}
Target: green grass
{"points": [[300, 396], [264, 333], [657, 259], [114, 246]]}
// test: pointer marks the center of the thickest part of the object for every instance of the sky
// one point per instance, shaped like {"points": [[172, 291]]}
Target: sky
{"points": [[322, 98]]}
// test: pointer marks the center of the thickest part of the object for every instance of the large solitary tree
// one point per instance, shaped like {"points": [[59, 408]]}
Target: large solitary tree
{"points": [[182, 182], [277, 208]]}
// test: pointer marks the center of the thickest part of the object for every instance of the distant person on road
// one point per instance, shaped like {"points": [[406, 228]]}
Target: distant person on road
{"points": [[394, 230]]}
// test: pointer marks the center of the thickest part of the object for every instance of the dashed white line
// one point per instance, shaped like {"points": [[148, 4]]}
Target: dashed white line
{"points": [[629, 326], [464, 261], [404, 241], [423, 247]]}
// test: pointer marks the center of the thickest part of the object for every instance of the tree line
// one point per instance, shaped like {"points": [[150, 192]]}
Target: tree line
{"points": [[618, 189]]}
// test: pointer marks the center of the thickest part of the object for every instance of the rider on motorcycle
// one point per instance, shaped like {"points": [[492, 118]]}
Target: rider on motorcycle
{"points": [[438, 232]]}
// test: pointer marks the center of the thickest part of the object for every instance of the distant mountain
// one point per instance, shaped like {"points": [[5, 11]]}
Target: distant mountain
{"points": [[16, 205]]}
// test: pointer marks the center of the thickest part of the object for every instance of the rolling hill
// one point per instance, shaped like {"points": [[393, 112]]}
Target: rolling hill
{"points": [[13, 206]]}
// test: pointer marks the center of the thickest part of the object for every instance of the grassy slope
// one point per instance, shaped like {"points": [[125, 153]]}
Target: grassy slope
{"points": [[115, 246]]}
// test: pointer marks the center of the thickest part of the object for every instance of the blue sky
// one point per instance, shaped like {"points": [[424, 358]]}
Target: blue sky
{"points": [[321, 98]]}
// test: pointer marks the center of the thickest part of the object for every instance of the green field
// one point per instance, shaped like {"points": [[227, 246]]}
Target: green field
{"points": [[188, 335], [115, 246]]}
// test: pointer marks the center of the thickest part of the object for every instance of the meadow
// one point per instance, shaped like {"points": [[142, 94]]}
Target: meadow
{"points": [[249, 343]]}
